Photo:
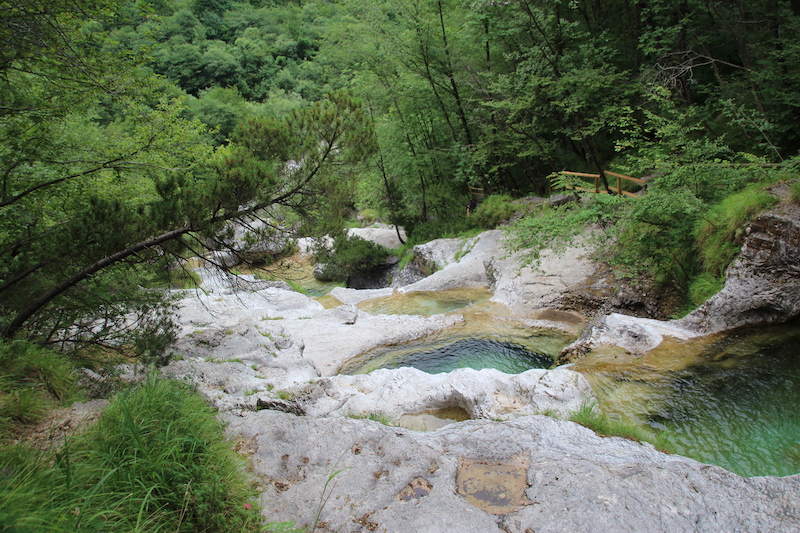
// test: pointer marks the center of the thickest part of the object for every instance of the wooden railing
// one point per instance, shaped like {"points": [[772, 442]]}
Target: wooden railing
{"points": [[618, 189]]}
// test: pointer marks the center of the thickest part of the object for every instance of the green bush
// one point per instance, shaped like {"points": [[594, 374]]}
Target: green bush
{"points": [[349, 254], [442, 229], [156, 461], [494, 210]]}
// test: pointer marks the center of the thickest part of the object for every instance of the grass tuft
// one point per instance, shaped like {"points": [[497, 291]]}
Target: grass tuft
{"points": [[588, 415], [794, 193], [375, 417], [720, 234], [32, 381], [156, 461]]}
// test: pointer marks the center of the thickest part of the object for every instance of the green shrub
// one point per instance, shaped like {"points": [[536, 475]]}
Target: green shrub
{"points": [[156, 461], [443, 229], [368, 216], [494, 210], [349, 254], [719, 234]]}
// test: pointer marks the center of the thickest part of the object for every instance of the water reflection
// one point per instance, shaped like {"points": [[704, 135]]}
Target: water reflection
{"points": [[728, 400], [298, 271], [425, 303]]}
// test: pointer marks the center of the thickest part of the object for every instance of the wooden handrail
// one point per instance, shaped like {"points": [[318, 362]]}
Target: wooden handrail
{"points": [[596, 177]]}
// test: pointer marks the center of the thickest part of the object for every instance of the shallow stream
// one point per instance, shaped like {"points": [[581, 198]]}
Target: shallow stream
{"points": [[730, 400]]}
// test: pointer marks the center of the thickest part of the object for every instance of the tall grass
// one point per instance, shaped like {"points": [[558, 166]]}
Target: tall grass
{"points": [[720, 234], [794, 193], [32, 381], [590, 416], [156, 461]]}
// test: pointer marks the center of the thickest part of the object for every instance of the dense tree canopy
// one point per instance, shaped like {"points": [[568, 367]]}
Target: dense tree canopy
{"points": [[104, 183], [130, 130]]}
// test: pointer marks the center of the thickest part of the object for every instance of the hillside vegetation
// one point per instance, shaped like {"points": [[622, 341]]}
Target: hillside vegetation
{"points": [[133, 131]]}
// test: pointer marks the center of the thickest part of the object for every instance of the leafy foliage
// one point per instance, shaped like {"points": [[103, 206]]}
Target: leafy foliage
{"points": [[349, 254]]}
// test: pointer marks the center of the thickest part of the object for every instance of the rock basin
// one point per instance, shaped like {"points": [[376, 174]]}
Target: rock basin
{"points": [[269, 364]]}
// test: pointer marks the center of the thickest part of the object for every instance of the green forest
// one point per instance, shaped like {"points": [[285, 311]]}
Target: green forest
{"points": [[132, 132]]}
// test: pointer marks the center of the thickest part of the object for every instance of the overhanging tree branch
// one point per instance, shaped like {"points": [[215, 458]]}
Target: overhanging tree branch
{"points": [[34, 306]]}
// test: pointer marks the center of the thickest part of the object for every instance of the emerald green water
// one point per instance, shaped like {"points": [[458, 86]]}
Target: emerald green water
{"points": [[732, 400], [735, 405], [476, 353]]}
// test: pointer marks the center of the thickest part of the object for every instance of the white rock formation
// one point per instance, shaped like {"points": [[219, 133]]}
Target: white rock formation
{"points": [[528, 474]]}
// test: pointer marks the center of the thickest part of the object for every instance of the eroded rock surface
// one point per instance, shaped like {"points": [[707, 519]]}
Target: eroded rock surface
{"points": [[539, 474], [486, 393], [763, 284], [483, 261], [267, 359]]}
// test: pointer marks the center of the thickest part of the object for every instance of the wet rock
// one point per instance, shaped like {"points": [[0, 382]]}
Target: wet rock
{"points": [[633, 334]]}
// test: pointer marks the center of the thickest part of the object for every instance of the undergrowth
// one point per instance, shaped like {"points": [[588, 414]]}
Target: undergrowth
{"points": [[794, 192], [683, 233], [32, 381], [156, 461], [719, 235], [494, 210]]}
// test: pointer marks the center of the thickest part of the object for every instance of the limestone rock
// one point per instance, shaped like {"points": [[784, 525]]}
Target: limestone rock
{"points": [[486, 393], [529, 474], [438, 253], [468, 271], [329, 343], [633, 334], [528, 288], [379, 234], [762, 286], [354, 296]]}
